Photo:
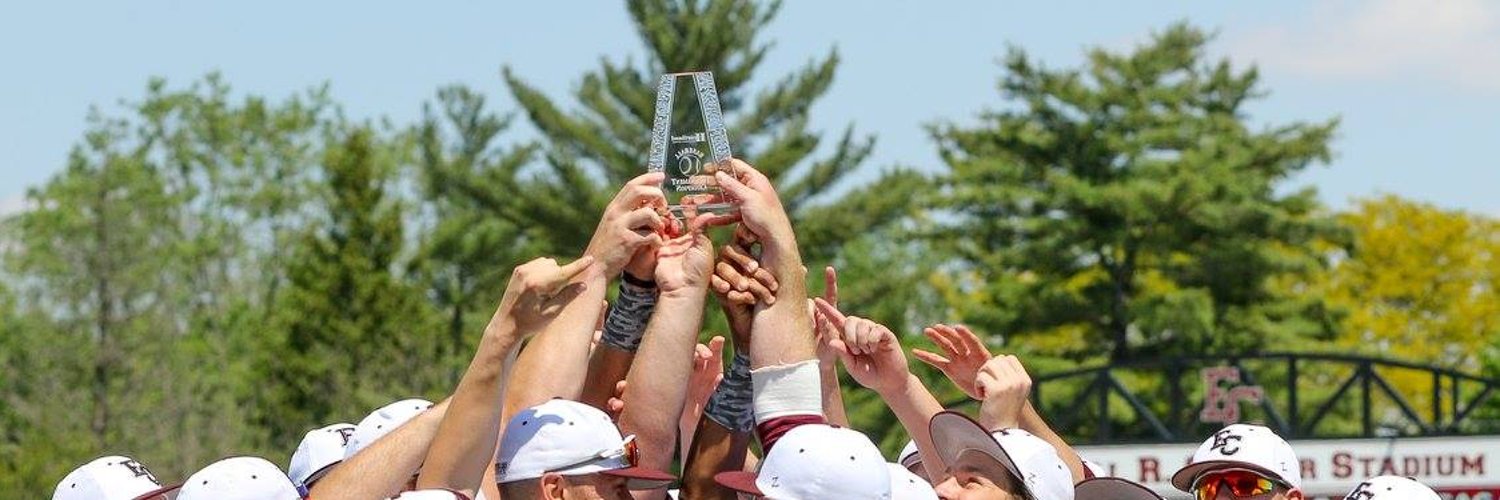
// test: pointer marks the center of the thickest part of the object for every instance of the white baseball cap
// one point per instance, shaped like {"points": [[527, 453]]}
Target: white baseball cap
{"points": [[110, 478], [382, 421], [908, 486], [571, 439], [814, 461], [909, 457], [239, 478], [1391, 488], [1112, 488], [437, 494], [320, 450], [1027, 457], [1245, 447]]}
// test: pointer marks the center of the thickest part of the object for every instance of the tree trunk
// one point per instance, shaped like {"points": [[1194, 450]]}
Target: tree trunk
{"points": [[104, 309]]}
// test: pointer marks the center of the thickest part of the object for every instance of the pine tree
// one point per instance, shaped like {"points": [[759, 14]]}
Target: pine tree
{"points": [[353, 335], [1127, 208], [594, 150], [465, 254], [90, 258]]}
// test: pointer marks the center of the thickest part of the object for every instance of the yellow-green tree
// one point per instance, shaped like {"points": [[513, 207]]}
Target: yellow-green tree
{"points": [[1419, 283]]}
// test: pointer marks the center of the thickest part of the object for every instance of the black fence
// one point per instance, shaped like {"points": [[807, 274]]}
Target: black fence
{"points": [[1173, 400]]}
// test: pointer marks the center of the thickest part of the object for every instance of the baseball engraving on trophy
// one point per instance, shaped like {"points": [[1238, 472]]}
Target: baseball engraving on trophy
{"points": [[689, 142]]}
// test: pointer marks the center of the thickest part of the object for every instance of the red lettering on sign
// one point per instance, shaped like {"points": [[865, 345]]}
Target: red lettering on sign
{"points": [[1309, 468], [1150, 472], [1388, 467], [1442, 462], [1341, 469], [1475, 467]]}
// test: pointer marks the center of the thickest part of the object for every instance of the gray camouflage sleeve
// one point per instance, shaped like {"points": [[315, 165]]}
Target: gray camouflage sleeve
{"points": [[625, 323], [730, 404]]}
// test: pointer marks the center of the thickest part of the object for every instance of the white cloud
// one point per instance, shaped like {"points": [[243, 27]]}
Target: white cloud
{"points": [[1453, 41]]}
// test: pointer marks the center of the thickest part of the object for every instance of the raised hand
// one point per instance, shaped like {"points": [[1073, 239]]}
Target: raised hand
{"points": [[965, 355], [616, 403], [1004, 386], [869, 350], [739, 301], [637, 217], [538, 290], [760, 209], [685, 262], [708, 370], [739, 277], [642, 264]]}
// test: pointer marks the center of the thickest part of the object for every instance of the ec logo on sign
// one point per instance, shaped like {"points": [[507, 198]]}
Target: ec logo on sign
{"points": [[1223, 395]]}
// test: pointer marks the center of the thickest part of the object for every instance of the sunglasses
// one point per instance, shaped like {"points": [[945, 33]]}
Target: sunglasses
{"points": [[627, 450], [1240, 483]]}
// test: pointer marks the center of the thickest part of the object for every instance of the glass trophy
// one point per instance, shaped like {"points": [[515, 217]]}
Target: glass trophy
{"points": [[689, 143]]}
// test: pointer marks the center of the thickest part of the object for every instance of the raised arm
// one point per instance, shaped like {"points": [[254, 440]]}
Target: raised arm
{"points": [[383, 468], [623, 327], [555, 363], [785, 322], [873, 357], [465, 443], [656, 387], [964, 355], [722, 437], [783, 353], [708, 371]]}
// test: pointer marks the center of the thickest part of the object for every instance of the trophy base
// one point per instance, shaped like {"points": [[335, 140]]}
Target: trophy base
{"points": [[720, 208]]}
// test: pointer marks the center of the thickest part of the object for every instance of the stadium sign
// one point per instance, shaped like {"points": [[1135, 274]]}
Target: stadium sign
{"points": [[1460, 468]]}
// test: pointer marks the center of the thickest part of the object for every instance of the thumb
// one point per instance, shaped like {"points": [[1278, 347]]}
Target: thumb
{"points": [[842, 349], [734, 187], [716, 347]]}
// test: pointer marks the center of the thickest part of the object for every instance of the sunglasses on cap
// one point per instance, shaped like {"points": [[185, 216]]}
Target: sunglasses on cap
{"points": [[627, 450], [1240, 483]]}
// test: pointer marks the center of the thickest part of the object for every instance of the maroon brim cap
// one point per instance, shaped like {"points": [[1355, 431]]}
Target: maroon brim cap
{"points": [[741, 481], [167, 492], [1183, 479], [1112, 488], [954, 434], [641, 478]]}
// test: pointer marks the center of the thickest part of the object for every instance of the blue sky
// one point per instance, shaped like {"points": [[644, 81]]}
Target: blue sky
{"points": [[1416, 83]]}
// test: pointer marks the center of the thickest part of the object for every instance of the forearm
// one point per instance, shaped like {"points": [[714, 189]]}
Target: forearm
{"points": [[656, 387], [466, 438], [782, 332], [555, 362], [382, 469], [833, 396], [624, 326], [607, 367], [715, 449], [687, 424], [1032, 422], [915, 406]]}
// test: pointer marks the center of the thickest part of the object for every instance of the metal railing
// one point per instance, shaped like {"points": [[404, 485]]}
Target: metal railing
{"points": [[1454, 398]]}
